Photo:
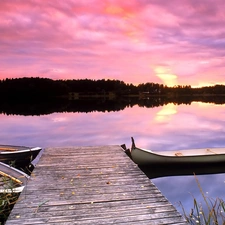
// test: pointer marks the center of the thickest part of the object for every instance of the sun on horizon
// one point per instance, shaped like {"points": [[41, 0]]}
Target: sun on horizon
{"points": [[166, 76]]}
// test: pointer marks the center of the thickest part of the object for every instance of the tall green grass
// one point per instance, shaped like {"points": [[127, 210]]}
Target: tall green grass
{"points": [[208, 212]]}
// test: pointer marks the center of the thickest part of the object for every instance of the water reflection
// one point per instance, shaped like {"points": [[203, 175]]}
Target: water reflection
{"points": [[166, 127], [183, 190], [181, 170], [166, 113]]}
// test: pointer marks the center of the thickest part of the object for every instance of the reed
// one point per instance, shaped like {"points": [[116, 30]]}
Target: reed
{"points": [[209, 212]]}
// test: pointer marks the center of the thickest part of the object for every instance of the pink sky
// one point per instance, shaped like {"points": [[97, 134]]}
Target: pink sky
{"points": [[137, 41]]}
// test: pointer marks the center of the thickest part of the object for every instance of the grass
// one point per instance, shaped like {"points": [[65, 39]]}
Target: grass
{"points": [[210, 212]]}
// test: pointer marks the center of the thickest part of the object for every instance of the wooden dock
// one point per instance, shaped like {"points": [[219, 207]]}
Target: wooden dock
{"points": [[91, 185]]}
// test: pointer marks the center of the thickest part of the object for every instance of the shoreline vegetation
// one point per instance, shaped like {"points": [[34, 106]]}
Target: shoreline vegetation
{"points": [[41, 96], [205, 212], [35, 87]]}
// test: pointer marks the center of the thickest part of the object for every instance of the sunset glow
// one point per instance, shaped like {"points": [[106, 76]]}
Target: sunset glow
{"points": [[166, 113], [134, 41], [165, 75]]}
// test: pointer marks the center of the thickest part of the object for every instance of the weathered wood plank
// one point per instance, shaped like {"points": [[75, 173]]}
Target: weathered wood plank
{"points": [[127, 211], [91, 185], [112, 206]]}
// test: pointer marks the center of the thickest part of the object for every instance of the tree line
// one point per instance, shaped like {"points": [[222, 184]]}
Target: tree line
{"points": [[45, 88]]}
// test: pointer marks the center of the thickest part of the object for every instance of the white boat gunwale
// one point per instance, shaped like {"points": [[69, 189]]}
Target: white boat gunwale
{"points": [[179, 153], [19, 172], [20, 151]]}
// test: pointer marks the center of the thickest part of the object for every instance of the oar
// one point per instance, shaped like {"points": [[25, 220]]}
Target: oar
{"points": [[7, 149], [9, 176]]}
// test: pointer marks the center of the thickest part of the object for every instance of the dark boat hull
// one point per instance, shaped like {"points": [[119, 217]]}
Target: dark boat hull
{"points": [[21, 156]]}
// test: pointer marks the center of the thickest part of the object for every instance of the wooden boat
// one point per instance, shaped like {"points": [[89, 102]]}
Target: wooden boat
{"points": [[12, 180], [144, 157], [18, 155]]}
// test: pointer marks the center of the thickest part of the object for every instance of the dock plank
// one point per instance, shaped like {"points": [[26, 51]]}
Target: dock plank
{"points": [[91, 185]]}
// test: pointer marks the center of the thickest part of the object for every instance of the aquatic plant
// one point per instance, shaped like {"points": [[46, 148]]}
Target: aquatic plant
{"points": [[209, 212]]}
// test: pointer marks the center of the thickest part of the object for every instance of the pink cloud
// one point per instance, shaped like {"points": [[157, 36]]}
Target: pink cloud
{"points": [[113, 39]]}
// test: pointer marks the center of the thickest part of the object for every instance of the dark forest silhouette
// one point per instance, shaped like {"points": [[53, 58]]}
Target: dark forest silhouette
{"points": [[36, 96], [44, 87]]}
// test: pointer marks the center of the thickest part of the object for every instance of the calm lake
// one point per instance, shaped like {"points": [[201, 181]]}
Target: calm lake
{"points": [[167, 127]]}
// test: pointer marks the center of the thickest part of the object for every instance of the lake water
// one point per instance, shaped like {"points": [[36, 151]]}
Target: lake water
{"points": [[199, 125]]}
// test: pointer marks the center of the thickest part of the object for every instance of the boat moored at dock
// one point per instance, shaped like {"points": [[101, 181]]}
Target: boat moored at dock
{"points": [[19, 155], [12, 180], [144, 157]]}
